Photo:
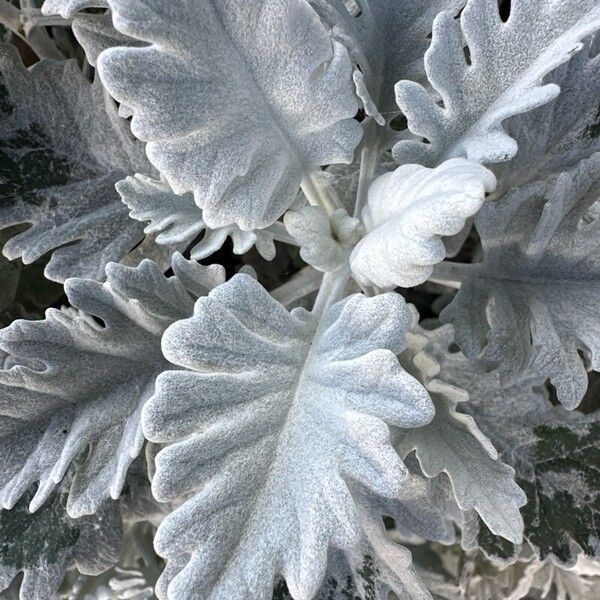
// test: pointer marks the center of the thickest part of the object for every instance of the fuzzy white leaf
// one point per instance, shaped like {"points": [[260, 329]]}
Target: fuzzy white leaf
{"points": [[553, 451], [559, 134], [387, 40], [504, 76], [539, 281], [238, 100], [407, 212], [70, 383], [276, 412], [69, 8], [177, 220], [45, 544], [453, 443], [63, 149], [96, 33], [324, 239]]}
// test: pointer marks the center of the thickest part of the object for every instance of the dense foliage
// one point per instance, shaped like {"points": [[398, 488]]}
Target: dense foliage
{"points": [[299, 299]]}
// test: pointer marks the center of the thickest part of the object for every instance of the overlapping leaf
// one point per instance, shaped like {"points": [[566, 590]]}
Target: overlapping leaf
{"points": [[276, 412], [44, 544], [238, 100], [452, 443], [407, 212], [387, 39], [539, 278], [178, 221], [77, 381], [554, 452], [63, 148], [68, 8], [503, 76]]}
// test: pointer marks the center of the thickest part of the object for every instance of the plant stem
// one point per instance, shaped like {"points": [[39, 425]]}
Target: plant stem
{"points": [[332, 288], [451, 273], [304, 282], [316, 194], [38, 40], [368, 162], [280, 233]]}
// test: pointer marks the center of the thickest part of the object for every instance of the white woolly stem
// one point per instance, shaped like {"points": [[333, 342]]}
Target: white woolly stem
{"points": [[280, 233], [331, 290], [451, 274], [368, 162], [38, 40], [316, 194], [304, 282]]}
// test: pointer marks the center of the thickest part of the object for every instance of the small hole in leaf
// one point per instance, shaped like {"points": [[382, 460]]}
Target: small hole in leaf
{"points": [[64, 431], [467, 53], [504, 9], [399, 123], [453, 348], [354, 8]]}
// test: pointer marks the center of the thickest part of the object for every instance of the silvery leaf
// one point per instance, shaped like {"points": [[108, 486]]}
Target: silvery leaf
{"points": [[503, 76], [559, 134], [44, 544], [63, 148], [407, 212], [78, 380], [539, 281], [272, 418], [69, 8], [453, 443], [178, 221], [553, 451], [96, 33], [387, 40], [237, 100]]}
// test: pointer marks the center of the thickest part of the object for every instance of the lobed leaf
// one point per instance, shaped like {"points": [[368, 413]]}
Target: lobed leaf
{"points": [[273, 416], [76, 382], [237, 100], [539, 280], [407, 212], [503, 76]]}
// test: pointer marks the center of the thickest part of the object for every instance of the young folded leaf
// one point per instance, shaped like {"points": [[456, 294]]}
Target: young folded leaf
{"points": [[452, 443], [177, 220], [63, 147], [276, 412], [78, 380], [539, 280], [407, 212], [238, 100], [44, 544], [503, 76]]}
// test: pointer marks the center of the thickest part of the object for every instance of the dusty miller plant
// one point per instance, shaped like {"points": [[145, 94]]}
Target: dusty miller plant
{"points": [[221, 386]]}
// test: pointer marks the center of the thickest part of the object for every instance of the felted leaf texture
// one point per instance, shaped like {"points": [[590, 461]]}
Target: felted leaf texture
{"points": [[238, 100], [372, 571], [503, 76], [77, 381], [63, 148], [452, 443], [274, 413], [407, 212], [69, 8], [177, 220], [554, 452], [44, 544], [556, 136], [387, 39], [539, 279]]}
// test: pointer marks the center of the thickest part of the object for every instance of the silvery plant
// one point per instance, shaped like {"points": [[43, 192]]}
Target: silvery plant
{"points": [[300, 299]]}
